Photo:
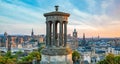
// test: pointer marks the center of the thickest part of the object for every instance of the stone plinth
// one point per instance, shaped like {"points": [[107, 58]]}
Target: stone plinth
{"points": [[56, 51], [56, 56]]}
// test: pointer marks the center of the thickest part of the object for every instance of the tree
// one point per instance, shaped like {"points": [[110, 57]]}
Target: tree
{"points": [[7, 60], [18, 54], [117, 59], [75, 57], [36, 54], [102, 62], [110, 59], [8, 54], [30, 57]]}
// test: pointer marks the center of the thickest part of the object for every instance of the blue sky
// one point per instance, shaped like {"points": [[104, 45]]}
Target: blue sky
{"points": [[92, 17]]}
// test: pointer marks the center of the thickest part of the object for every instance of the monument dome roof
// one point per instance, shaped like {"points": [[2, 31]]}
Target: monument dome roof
{"points": [[56, 13]]}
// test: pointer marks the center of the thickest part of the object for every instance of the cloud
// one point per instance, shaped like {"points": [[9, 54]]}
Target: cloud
{"points": [[20, 13], [91, 22], [21, 16]]}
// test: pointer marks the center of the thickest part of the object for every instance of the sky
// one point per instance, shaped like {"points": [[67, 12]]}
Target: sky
{"points": [[92, 17]]}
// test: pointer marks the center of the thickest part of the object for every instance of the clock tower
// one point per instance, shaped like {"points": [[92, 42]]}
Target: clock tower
{"points": [[75, 40]]}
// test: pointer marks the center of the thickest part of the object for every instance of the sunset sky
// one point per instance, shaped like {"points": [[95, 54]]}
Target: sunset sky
{"points": [[92, 17]]}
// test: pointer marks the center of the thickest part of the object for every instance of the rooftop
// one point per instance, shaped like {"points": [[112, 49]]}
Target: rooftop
{"points": [[56, 13]]}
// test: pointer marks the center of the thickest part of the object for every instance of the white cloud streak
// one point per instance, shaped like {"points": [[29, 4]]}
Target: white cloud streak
{"points": [[23, 17]]}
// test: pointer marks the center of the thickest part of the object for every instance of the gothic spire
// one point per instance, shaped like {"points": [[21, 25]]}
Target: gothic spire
{"points": [[32, 33]]}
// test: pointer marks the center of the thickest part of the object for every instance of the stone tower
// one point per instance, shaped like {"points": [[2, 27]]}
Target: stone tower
{"points": [[56, 51], [75, 40], [9, 43], [5, 39], [75, 33], [84, 40]]}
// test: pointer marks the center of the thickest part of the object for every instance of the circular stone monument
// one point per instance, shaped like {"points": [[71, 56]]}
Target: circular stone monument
{"points": [[56, 51]]}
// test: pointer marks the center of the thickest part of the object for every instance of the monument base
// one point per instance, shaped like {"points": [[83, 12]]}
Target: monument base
{"points": [[56, 56]]}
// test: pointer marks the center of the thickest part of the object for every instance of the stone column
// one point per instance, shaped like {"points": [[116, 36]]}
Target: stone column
{"points": [[61, 34], [49, 34], [65, 34], [54, 33], [46, 33]]}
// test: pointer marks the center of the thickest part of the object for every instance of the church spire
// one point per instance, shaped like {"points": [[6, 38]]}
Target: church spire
{"points": [[32, 33]]}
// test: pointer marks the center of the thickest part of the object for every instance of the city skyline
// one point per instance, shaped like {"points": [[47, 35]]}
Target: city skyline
{"points": [[92, 17]]}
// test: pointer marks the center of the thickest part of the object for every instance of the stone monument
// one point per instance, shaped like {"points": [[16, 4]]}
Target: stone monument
{"points": [[56, 50]]}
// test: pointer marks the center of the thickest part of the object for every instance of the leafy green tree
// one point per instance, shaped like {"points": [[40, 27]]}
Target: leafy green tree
{"points": [[27, 58], [117, 59], [8, 54], [102, 62], [7, 60], [110, 59], [18, 54], [36, 54], [31, 56], [75, 56]]}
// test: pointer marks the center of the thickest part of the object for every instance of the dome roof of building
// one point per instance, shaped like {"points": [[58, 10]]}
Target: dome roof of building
{"points": [[56, 13]]}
